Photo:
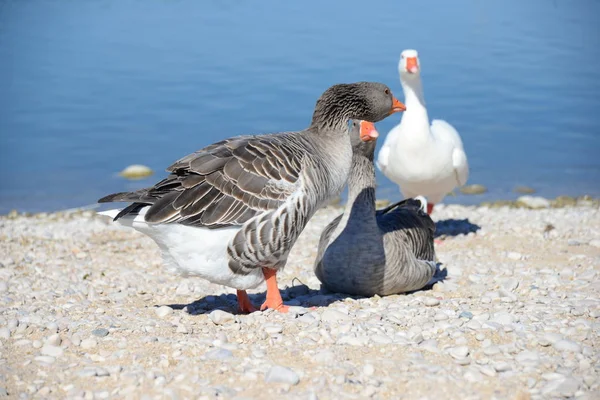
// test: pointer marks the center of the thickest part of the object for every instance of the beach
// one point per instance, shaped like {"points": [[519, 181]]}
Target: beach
{"points": [[88, 311]]}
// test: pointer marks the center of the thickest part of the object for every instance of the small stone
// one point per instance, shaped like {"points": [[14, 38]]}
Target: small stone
{"points": [[563, 387], [594, 242], [513, 255], [45, 359], [4, 333], [325, 357], [502, 366], [473, 189], [510, 284], [53, 340], [528, 358], [37, 344], [136, 171], [487, 370], [368, 370], [279, 374], [218, 354], [466, 315], [163, 311], [503, 318], [220, 317], [431, 302], [54, 351], [524, 189], [88, 343], [52, 327], [533, 202], [273, 329], [102, 372], [567, 345], [330, 315], [100, 332], [459, 352]]}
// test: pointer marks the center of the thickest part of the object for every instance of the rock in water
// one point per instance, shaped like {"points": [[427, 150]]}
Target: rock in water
{"points": [[524, 190], [473, 189], [136, 171]]}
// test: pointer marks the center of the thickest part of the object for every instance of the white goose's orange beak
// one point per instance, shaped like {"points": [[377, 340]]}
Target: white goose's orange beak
{"points": [[412, 65], [368, 132]]}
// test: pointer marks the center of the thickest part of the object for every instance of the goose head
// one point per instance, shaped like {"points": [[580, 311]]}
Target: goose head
{"points": [[369, 101], [409, 65], [363, 137]]}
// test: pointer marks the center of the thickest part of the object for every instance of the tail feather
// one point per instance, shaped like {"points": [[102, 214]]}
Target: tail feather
{"points": [[139, 196]]}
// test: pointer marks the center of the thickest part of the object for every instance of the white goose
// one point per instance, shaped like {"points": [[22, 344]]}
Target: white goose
{"points": [[423, 160]]}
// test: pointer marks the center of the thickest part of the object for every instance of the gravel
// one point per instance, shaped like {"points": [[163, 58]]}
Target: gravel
{"points": [[87, 310]]}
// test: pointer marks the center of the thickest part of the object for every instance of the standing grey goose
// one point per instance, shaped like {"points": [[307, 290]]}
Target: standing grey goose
{"points": [[231, 212], [366, 251]]}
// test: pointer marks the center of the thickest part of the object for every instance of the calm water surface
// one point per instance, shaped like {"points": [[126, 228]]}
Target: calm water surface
{"points": [[89, 87]]}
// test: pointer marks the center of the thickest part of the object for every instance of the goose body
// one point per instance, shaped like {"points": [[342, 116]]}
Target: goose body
{"points": [[367, 252], [231, 212], [423, 159]]}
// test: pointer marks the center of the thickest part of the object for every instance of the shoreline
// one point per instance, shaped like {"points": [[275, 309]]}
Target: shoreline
{"points": [[88, 311], [558, 202]]}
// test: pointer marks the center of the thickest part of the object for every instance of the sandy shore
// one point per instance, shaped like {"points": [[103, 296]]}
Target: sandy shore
{"points": [[87, 311]]}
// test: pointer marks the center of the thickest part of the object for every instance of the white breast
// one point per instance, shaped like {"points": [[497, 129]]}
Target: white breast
{"points": [[192, 251]]}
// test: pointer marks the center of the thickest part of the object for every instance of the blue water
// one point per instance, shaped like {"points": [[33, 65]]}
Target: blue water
{"points": [[89, 87]]}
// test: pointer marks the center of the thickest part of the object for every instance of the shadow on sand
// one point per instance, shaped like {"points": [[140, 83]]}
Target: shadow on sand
{"points": [[298, 295], [454, 227]]}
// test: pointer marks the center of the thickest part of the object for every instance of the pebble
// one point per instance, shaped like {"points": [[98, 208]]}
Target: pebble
{"points": [[459, 352], [513, 255], [594, 242], [163, 311], [4, 333], [54, 351], [567, 345], [88, 343], [220, 317], [218, 354], [503, 318], [502, 366], [279, 374], [534, 202], [334, 316], [100, 332], [528, 358], [53, 340], [431, 302]]}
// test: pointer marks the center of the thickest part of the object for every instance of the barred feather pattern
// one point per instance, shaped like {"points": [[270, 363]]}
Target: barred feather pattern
{"points": [[269, 185]]}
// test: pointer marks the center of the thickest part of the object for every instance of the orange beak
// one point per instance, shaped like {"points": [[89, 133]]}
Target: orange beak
{"points": [[397, 106], [412, 65], [368, 132]]}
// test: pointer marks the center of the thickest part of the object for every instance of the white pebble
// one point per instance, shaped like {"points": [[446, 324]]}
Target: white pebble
{"points": [[163, 311], [88, 343], [279, 374], [431, 302], [567, 345], [220, 317], [54, 351]]}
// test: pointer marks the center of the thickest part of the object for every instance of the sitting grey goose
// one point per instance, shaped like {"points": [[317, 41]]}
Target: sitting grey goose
{"points": [[231, 212], [366, 251]]}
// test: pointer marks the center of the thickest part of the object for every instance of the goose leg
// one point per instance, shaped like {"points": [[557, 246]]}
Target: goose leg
{"points": [[274, 299], [429, 211], [430, 208], [244, 302]]}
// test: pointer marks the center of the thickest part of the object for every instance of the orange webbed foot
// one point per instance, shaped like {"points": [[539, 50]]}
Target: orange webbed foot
{"points": [[244, 302]]}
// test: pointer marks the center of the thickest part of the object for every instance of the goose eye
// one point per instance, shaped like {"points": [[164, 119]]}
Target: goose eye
{"points": [[387, 91]]}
